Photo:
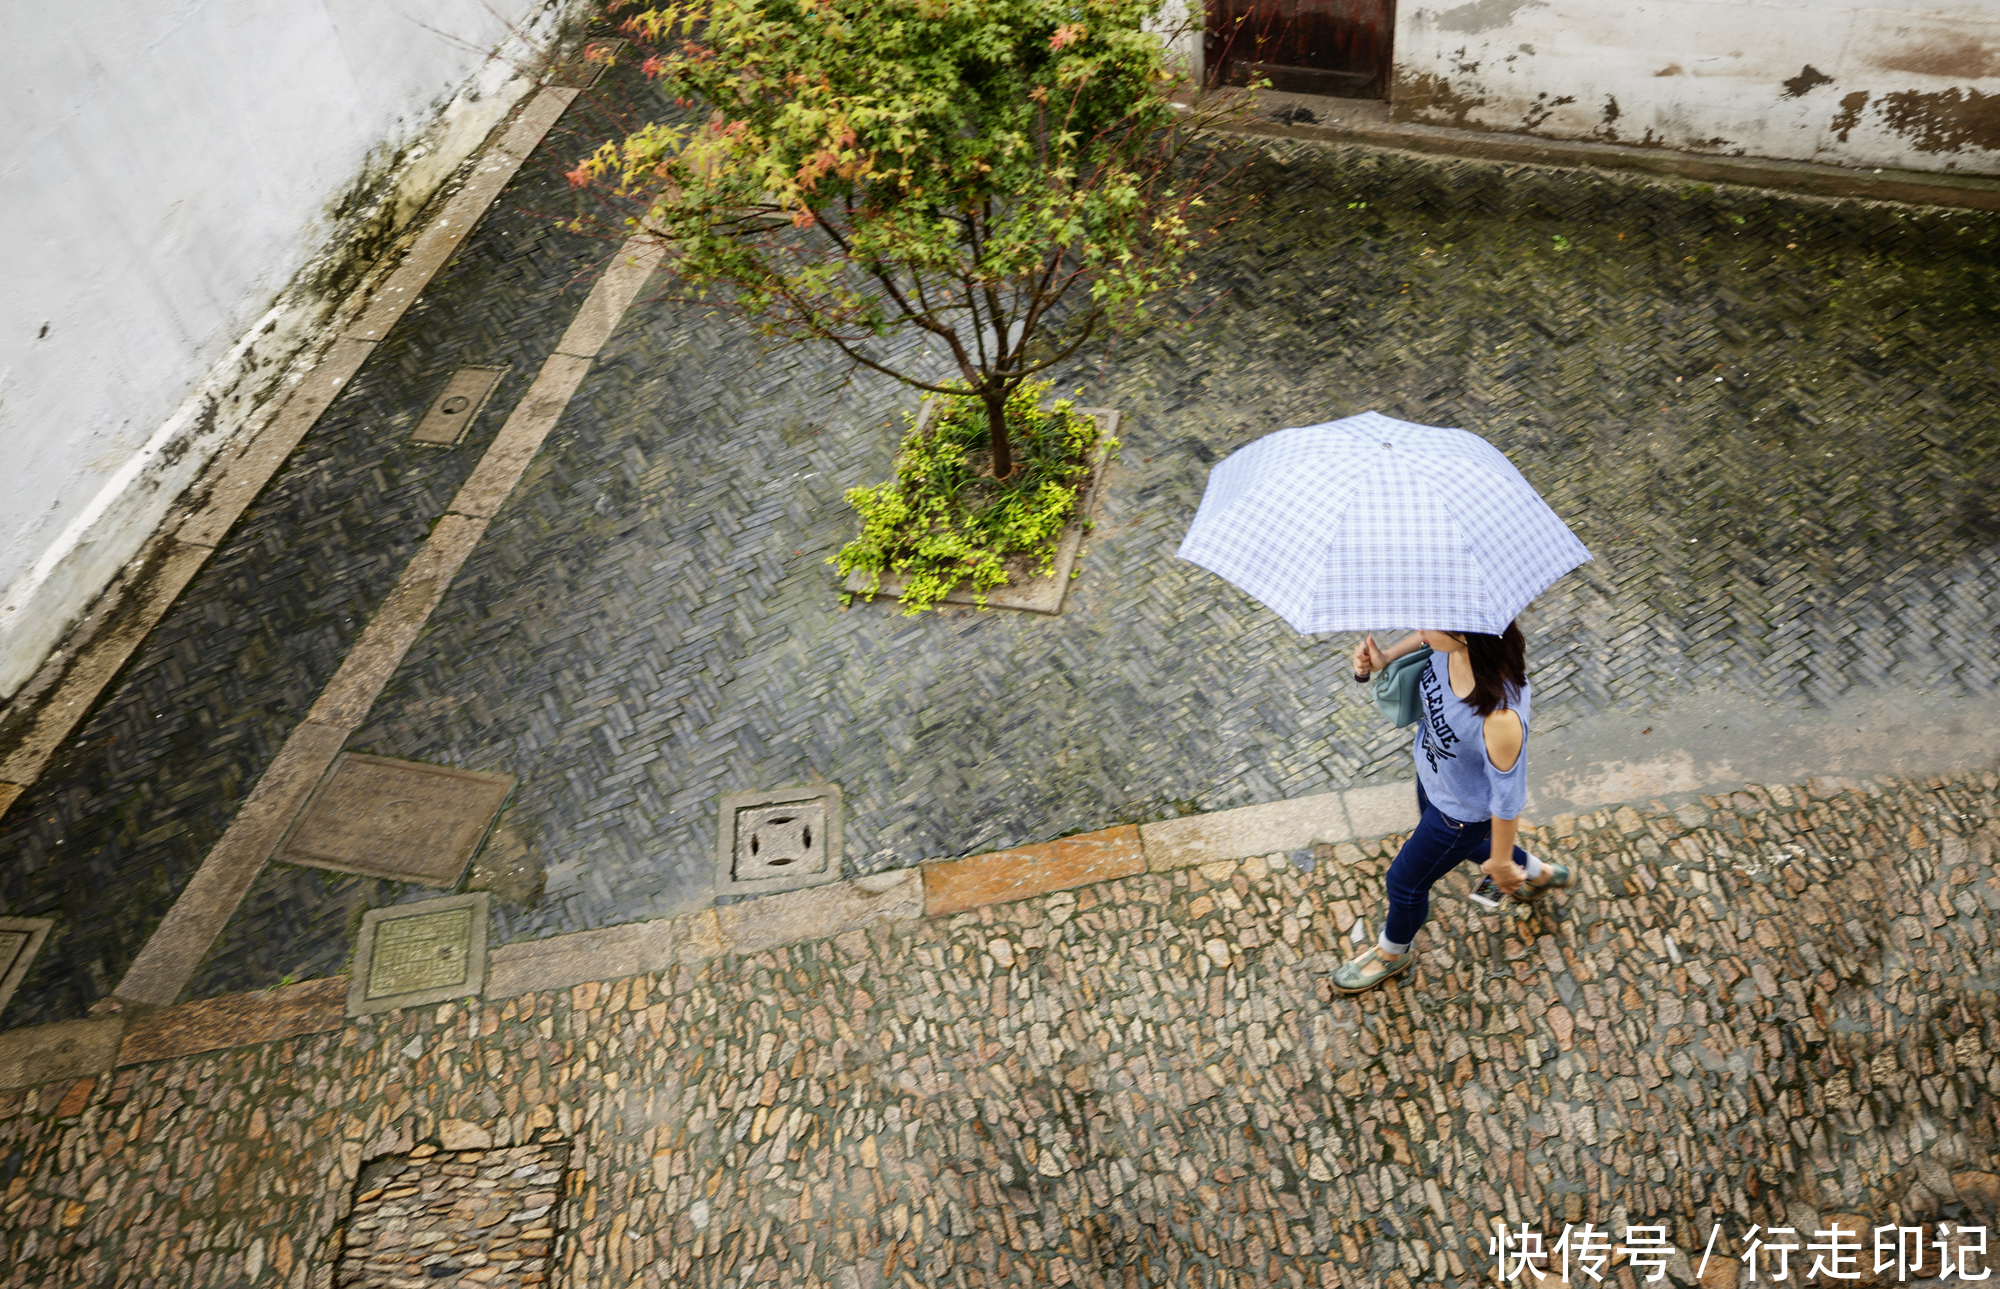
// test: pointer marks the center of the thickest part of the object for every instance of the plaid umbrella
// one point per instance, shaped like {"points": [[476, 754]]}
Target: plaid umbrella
{"points": [[1375, 524]]}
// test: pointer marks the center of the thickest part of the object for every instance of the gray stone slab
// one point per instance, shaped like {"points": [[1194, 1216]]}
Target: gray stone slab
{"points": [[624, 276], [822, 912], [411, 955], [1248, 830], [778, 840], [1381, 810], [401, 820], [1716, 743], [608, 953], [457, 405], [163, 967], [376, 655], [70, 1049], [1025, 589], [504, 463], [635, 948]]}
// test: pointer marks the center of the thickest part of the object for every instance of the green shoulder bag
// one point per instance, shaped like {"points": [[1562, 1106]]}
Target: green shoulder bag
{"points": [[1395, 689]]}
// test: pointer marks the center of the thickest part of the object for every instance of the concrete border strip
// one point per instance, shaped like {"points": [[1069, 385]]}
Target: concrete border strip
{"points": [[65, 688], [1369, 124], [169, 958]]}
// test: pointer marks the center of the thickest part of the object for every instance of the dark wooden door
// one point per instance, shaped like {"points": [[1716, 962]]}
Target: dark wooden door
{"points": [[1335, 47]]}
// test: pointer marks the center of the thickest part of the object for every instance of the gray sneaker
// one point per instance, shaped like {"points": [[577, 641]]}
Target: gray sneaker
{"points": [[1559, 877]]}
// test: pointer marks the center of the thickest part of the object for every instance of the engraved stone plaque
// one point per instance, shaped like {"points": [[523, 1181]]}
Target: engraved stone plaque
{"points": [[20, 940], [413, 954], [451, 413], [396, 819], [779, 840], [419, 953]]}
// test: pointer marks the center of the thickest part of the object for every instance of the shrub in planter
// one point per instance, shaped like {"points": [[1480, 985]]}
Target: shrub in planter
{"points": [[1003, 179], [945, 520]]}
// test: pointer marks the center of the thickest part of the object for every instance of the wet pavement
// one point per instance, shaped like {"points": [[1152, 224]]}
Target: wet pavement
{"points": [[1773, 420], [1771, 1011]]}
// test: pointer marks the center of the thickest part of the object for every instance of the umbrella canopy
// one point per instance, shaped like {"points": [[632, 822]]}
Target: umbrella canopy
{"points": [[1375, 524]]}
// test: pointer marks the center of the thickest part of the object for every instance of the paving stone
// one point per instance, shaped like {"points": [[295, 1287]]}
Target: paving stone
{"points": [[1141, 1081], [1032, 870], [232, 1020]]}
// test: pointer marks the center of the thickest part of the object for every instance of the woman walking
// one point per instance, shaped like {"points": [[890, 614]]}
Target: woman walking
{"points": [[1472, 780]]}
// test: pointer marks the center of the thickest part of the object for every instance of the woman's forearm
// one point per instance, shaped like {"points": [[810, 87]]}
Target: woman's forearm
{"points": [[1504, 832], [1409, 644]]}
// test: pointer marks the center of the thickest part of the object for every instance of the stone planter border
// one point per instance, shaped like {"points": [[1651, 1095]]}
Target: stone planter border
{"points": [[1044, 594]]}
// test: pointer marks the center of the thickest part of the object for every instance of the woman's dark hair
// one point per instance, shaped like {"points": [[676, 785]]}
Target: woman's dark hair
{"points": [[1499, 668]]}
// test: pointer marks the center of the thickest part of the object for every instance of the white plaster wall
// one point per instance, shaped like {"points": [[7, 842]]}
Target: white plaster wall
{"points": [[165, 172], [1180, 30], [1897, 84]]}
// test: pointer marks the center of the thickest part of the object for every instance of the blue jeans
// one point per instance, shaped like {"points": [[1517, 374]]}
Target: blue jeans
{"points": [[1439, 845]]}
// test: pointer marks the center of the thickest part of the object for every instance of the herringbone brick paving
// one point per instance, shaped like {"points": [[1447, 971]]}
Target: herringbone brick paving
{"points": [[1777, 454], [121, 820], [651, 622]]}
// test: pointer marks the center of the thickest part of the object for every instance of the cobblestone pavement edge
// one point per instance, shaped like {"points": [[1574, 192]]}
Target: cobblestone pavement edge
{"points": [[1145, 1081]]}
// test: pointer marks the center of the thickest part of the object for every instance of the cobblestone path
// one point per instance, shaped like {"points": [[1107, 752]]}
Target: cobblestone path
{"points": [[1773, 420], [1775, 1009]]}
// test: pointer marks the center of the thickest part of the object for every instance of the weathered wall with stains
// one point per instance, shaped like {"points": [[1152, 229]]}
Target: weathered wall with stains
{"points": [[1902, 83], [163, 178]]}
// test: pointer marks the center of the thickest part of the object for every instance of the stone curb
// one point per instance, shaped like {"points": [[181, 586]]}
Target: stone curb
{"points": [[1007, 875], [235, 1020], [1803, 178]]}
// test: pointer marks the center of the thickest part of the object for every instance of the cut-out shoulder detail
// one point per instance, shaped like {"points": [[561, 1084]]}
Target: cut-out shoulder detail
{"points": [[1503, 739]]}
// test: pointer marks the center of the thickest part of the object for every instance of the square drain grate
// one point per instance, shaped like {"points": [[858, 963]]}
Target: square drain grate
{"points": [[413, 954], [780, 840], [396, 819], [20, 940], [451, 413]]}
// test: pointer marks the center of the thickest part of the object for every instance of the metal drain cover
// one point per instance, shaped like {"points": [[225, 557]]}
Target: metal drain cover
{"points": [[396, 819], [451, 413], [413, 954], [778, 841]]}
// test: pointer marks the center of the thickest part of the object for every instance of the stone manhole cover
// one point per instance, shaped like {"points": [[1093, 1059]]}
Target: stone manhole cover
{"points": [[396, 819], [778, 841], [413, 954], [20, 940], [452, 413]]}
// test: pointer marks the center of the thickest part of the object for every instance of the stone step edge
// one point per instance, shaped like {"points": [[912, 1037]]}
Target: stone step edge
{"points": [[79, 1049], [1801, 178]]}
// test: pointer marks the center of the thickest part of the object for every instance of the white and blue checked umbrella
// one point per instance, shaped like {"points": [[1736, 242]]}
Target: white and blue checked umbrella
{"points": [[1375, 524]]}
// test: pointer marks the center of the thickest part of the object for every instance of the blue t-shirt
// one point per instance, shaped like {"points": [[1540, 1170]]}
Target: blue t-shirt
{"points": [[1451, 752]]}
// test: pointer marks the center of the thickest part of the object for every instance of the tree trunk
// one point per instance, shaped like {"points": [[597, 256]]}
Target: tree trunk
{"points": [[996, 419]]}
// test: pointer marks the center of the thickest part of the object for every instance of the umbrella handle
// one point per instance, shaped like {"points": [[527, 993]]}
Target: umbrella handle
{"points": [[1363, 677]]}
